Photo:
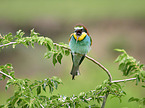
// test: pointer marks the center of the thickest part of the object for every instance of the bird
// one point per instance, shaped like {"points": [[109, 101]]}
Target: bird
{"points": [[80, 44]]}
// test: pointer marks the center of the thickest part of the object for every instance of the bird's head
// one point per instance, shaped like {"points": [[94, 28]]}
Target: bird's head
{"points": [[79, 29]]}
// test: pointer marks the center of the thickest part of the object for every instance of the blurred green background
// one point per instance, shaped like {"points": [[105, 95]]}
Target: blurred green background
{"points": [[111, 24]]}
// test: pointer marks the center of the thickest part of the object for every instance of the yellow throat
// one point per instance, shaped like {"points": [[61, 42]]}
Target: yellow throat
{"points": [[81, 37]]}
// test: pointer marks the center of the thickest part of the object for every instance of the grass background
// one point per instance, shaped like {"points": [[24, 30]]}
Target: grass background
{"points": [[111, 24]]}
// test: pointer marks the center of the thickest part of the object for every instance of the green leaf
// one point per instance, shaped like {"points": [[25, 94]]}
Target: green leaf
{"points": [[9, 82], [133, 99], [143, 86], [33, 33], [48, 54], [55, 84], [129, 69], [38, 90], [48, 47], [51, 89], [32, 44], [143, 101], [22, 102], [122, 67], [67, 52], [120, 50], [59, 57], [9, 66], [44, 87], [19, 34], [12, 74], [58, 80], [1, 106], [54, 58]]}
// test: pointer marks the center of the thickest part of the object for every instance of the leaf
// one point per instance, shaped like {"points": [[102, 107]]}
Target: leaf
{"points": [[120, 50], [62, 50], [129, 69], [33, 33], [55, 84], [133, 99], [51, 89], [9, 66], [9, 82], [32, 44], [48, 54], [59, 81], [67, 52], [38, 90], [143, 86], [19, 34], [1, 106], [54, 58], [12, 74], [122, 67], [59, 57], [44, 87], [143, 101], [137, 79], [48, 47]]}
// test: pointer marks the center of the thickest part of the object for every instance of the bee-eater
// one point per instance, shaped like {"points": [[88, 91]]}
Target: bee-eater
{"points": [[80, 43]]}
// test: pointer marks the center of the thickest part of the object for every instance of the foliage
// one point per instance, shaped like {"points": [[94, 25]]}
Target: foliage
{"points": [[53, 50], [130, 67], [30, 94]]}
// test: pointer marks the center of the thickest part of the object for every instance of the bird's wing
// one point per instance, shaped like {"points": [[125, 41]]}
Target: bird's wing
{"points": [[90, 39]]}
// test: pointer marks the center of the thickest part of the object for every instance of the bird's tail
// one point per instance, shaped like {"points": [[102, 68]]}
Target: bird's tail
{"points": [[74, 71]]}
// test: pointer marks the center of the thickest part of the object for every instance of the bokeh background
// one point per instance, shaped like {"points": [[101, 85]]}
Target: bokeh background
{"points": [[111, 24]]}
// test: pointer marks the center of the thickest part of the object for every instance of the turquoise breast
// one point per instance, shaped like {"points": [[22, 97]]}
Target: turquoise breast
{"points": [[81, 47]]}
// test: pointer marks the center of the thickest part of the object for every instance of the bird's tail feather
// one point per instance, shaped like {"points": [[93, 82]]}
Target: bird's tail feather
{"points": [[74, 71]]}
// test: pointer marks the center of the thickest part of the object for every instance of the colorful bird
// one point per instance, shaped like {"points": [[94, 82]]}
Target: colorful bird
{"points": [[80, 43]]}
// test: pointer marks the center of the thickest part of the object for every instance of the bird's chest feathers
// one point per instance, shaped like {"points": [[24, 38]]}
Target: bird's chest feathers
{"points": [[82, 46], [80, 37]]}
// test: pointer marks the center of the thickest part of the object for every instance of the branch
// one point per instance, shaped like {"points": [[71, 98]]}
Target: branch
{"points": [[101, 66], [6, 75], [93, 60], [7, 44], [56, 44], [95, 98], [124, 80], [96, 62], [104, 100]]}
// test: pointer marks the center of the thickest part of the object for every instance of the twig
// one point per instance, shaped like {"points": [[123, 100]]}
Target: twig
{"points": [[96, 98], [124, 80], [56, 44], [100, 65], [109, 75], [41, 106], [104, 100], [6, 75], [7, 44]]}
